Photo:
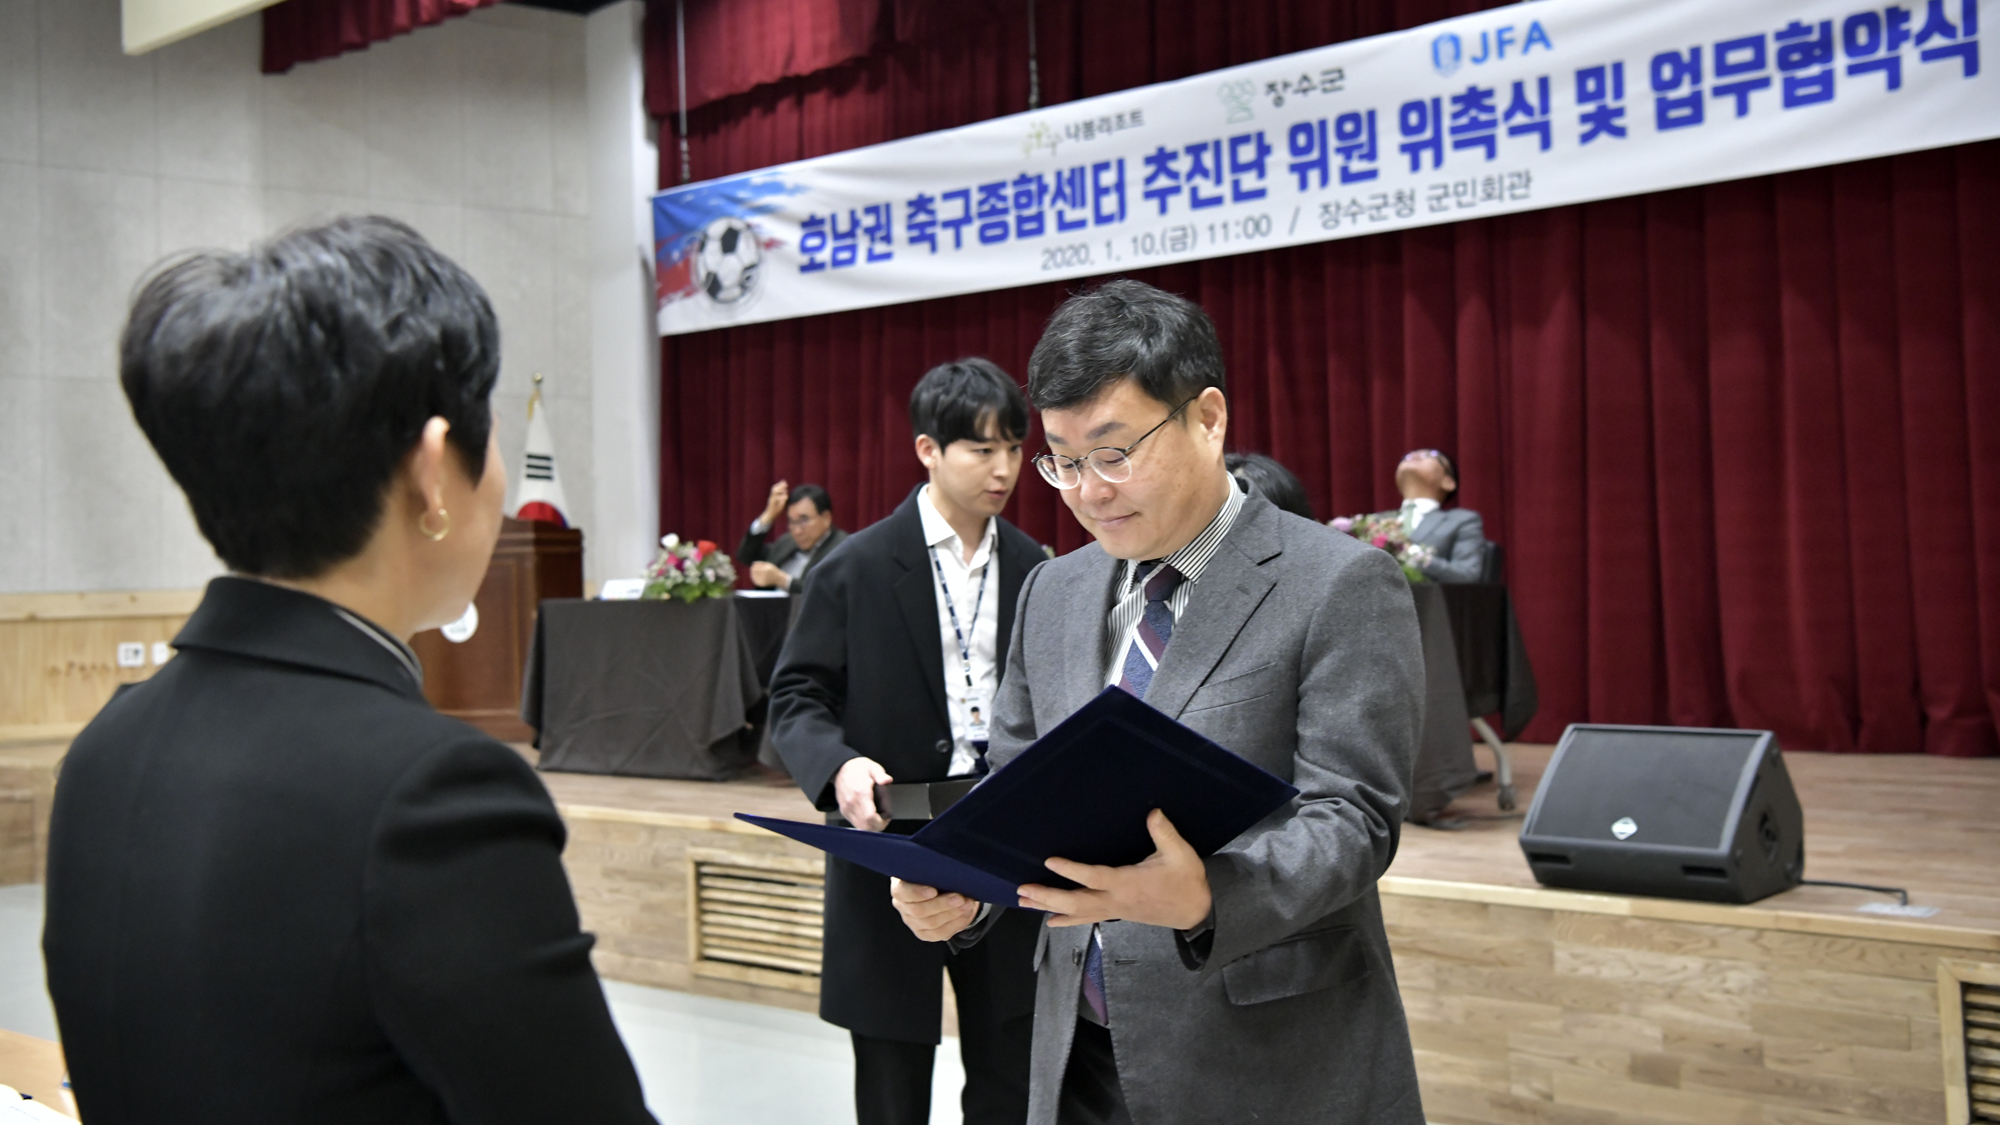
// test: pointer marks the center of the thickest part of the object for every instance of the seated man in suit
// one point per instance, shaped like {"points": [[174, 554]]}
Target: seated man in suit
{"points": [[809, 535], [1428, 480], [1255, 985]]}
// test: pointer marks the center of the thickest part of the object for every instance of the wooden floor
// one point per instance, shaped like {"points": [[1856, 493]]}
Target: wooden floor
{"points": [[34, 1067], [1529, 1006], [1525, 1005], [710, 799], [1929, 825]]}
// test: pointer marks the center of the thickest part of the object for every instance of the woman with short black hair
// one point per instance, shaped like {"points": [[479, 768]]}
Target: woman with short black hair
{"points": [[281, 888]]}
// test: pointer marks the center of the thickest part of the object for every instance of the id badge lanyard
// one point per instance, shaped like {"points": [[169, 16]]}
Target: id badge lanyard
{"points": [[976, 732]]}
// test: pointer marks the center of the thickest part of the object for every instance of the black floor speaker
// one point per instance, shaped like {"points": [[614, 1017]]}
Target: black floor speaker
{"points": [[1679, 812]]}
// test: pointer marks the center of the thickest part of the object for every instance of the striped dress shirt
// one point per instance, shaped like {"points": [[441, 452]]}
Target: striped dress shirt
{"points": [[1189, 560]]}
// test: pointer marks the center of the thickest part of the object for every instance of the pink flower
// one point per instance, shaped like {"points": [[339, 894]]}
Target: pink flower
{"points": [[1381, 541], [1344, 523]]}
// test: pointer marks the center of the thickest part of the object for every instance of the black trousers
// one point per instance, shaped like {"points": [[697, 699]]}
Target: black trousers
{"points": [[1091, 1094], [892, 1079]]}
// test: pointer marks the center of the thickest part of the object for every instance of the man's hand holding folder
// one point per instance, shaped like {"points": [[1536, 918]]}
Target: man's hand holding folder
{"points": [[1168, 888], [930, 915], [1141, 798], [854, 790]]}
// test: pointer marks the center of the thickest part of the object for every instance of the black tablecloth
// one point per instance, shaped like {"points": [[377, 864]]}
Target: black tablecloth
{"points": [[1474, 665], [1492, 659], [647, 688], [764, 621]]}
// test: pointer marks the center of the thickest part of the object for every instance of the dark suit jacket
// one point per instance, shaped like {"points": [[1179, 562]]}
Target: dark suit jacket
{"points": [[281, 888], [862, 674], [754, 549]]}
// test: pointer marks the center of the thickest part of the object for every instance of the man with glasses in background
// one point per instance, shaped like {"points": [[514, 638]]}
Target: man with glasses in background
{"points": [[1428, 480], [1255, 985], [809, 535]]}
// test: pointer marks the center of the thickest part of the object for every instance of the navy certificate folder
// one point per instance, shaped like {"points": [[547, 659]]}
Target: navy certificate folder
{"points": [[1082, 792]]}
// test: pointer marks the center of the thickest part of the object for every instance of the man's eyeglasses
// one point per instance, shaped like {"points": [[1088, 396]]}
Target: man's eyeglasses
{"points": [[1111, 463], [1442, 459], [796, 522]]}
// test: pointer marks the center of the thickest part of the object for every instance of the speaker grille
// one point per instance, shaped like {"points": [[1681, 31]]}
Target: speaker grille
{"points": [[1673, 791]]}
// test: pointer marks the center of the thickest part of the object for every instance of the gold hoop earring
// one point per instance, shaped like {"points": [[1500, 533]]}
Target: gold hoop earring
{"points": [[424, 525]]}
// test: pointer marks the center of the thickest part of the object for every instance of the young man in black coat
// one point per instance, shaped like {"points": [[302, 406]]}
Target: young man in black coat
{"points": [[889, 675]]}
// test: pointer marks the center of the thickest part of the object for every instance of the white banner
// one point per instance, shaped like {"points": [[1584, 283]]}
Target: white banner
{"points": [[1513, 109]]}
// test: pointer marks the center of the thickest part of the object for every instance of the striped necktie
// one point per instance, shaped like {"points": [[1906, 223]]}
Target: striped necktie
{"points": [[1142, 658], [1152, 632]]}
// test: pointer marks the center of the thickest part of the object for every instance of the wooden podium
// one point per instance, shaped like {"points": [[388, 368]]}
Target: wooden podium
{"points": [[480, 680]]}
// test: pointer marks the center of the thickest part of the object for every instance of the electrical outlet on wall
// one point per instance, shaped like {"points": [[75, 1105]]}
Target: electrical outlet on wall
{"points": [[131, 654], [162, 652]]}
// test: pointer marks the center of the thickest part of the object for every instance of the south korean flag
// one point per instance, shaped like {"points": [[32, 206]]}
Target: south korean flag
{"points": [[541, 494]]}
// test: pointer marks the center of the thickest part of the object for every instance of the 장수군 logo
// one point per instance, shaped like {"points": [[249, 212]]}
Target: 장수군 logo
{"points": [[1624, 827]]}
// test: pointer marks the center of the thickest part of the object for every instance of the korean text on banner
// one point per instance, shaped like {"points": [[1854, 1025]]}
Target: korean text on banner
{"points": [[1513, 109]]}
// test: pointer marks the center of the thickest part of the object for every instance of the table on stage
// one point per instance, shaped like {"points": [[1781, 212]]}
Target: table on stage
{"points": [[672, 689], [651, 688], [1475, 664], [34, 1066]]}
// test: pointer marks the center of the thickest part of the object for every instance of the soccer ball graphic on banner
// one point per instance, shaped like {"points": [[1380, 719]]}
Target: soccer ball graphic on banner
{"points": [[725, 264]]}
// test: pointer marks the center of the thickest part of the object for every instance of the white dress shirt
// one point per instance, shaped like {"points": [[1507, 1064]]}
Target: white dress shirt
{"points": [[1414, 511], [961, 585]]}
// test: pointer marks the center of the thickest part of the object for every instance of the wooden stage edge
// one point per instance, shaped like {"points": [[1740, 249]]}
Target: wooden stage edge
{"points": [[1526, 1004]]}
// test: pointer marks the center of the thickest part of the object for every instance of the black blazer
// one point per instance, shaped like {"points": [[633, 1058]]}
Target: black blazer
{"points": [[281, 888], [862, 674], [754, 549]]}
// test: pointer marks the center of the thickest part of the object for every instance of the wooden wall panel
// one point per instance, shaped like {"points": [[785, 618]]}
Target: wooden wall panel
{"points": [[27, 793], [1523, 1014], [629, 873], [59, 653]]}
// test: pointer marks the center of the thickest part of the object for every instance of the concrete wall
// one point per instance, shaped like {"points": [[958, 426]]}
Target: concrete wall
{"points": [[624, 344], [475, 131]]}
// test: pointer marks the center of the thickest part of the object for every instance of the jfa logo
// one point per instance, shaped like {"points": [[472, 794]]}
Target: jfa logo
{"points": [[1448, 50]]}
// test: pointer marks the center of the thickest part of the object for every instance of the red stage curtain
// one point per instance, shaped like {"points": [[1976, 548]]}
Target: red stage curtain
{"points": [[735, 46], [1741, 442], [299, 31]]}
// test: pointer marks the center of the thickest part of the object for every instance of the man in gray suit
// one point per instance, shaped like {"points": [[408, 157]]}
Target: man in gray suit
{"points": [[1428, 479], [1255, 985]]}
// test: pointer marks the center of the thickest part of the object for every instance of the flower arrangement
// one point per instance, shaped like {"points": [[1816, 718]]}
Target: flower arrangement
{"points": [[689, 571], [1386, 531]]}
